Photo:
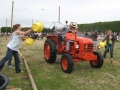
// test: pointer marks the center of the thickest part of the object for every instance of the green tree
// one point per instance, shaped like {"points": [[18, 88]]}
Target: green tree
{"points": [[100, 26]]}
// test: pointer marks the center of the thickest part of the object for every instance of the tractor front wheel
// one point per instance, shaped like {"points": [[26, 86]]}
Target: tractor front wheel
{"points": [[97, 63], [67, 63], [50, 51]]}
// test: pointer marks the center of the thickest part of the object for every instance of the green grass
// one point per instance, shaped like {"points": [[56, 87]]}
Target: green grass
{"points": [[51, 77]]}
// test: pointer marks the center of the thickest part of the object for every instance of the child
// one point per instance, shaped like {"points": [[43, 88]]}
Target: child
{"points": [[13, 47]]}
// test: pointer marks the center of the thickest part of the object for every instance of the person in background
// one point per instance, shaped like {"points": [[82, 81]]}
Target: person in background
{"points": [[38, 36], [106, 33], [102, 35], [89, 34], [83, 34], [86, 34], [0, 34], [117, 36], [12, 47], [94, 38], [41, 35], [110, 38], [98, 36]]}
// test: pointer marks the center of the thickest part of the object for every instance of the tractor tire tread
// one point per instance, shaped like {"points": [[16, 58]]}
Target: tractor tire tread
{"points": [[53, 51]]}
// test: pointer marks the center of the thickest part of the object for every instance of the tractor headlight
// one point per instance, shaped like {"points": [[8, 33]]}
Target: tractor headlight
{"points": [[77, 46]]}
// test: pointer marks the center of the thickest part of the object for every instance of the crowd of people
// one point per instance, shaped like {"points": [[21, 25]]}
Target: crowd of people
{"points": [[92, 35], [100, 35], [2, 34]]}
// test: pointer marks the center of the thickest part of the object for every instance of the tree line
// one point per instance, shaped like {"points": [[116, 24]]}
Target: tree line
{"points": [[45, 30], [8, 29], [99, 26]]}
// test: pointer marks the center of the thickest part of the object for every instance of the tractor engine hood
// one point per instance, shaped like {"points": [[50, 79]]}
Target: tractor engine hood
{"points": [[84, 40]]}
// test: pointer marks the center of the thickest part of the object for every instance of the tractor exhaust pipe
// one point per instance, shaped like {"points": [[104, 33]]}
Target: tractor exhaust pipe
{"points": [[68, 45]]}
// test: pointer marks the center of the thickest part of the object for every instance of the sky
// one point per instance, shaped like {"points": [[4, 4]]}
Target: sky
{"points": [[46, 11]]}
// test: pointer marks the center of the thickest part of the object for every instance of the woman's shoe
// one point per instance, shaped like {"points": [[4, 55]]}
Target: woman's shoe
{"points": [[111, 60], [18, 71]]}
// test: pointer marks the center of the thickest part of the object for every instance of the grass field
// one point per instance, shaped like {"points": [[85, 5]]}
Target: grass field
{"points": [[51, 77]]}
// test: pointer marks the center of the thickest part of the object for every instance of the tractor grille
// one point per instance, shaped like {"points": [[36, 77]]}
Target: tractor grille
{"points": [[88, 47]]}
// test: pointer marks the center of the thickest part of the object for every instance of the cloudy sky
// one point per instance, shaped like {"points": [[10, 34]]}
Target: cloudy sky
{"points": [[80, 11]]}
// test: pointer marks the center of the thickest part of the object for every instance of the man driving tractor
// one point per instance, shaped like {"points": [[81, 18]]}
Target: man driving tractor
{"points": [[61, 35], [73, 26]]}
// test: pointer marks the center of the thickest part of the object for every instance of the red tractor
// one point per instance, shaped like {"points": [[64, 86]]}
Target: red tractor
{"points": [[73, 49]]}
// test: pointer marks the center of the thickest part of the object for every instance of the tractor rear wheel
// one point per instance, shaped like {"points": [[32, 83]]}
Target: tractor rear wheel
{"points": [[99, 62], [67, 63], [50, 51]]}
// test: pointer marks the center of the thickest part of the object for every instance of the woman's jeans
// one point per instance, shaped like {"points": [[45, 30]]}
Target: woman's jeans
{"points": [[111, 46], [10, 60], [108, 49], [8, 56]]}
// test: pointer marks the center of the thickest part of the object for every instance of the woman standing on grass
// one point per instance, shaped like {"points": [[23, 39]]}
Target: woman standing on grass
{"points": [[110, 38], [13, 47]]}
